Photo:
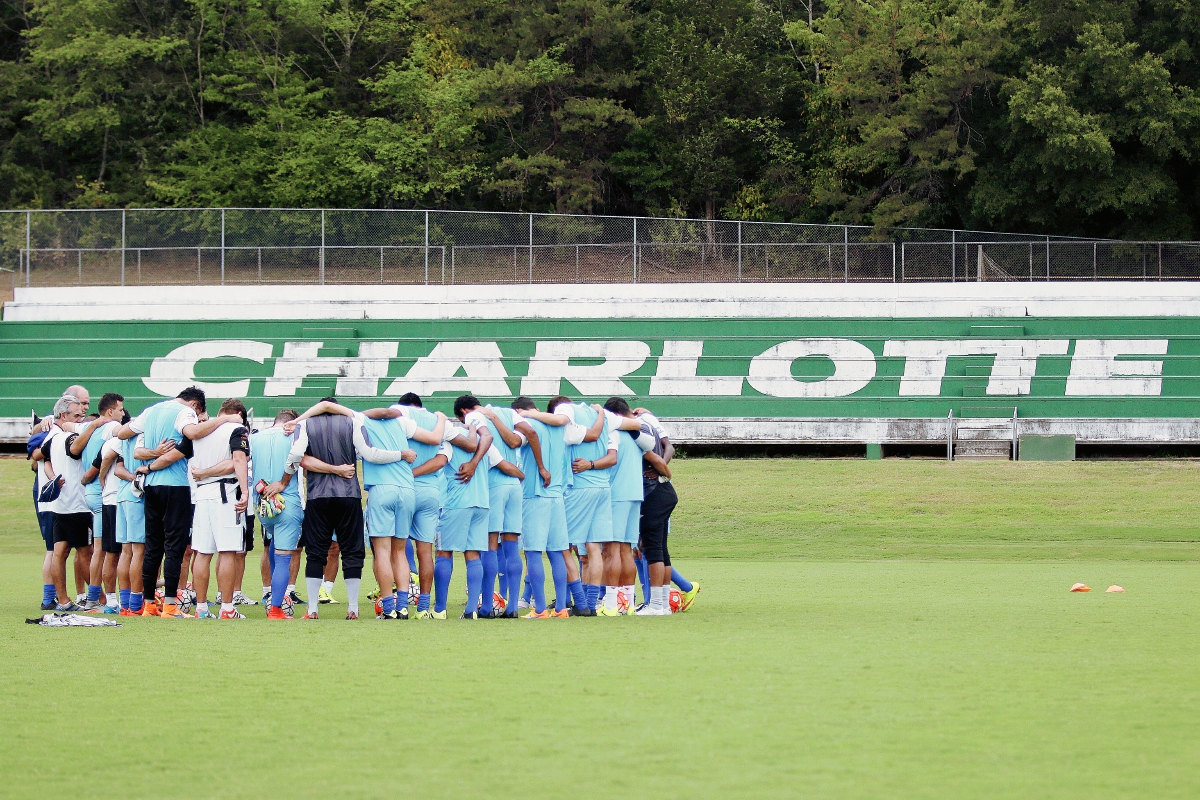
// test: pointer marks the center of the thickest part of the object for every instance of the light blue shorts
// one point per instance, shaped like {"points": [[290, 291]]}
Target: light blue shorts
{"points": [[390, 511], [95, 504], [463, 529], [427, 507], [505, 511], [589, 515], [284, 528], [131, 522], [543, 524], [626, 520]]}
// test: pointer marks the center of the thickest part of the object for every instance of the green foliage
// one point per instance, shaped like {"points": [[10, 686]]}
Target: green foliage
{"points": [[1057, 117]]}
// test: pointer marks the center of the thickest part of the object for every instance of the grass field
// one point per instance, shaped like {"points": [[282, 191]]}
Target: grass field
{"points": [[866, 629]]}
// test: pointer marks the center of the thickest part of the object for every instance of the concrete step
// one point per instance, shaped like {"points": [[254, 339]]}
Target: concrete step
{"points": [[982, 449]]}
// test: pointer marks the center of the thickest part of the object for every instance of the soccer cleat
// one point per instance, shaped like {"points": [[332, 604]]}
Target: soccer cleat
{"points": [[388, 615], [511, 615], [266, 598], [311, 615], [204, 613], [81, 598], [351, 615], [522, 604], [470, 615], [295, 598], [576, 611], [49, 606], [67, 608], [150, 609], [110, 610], [650, 611], [90, 606], [426, 614], [172, 611], [275, 612], [535, 615], [324, 597], [687, 598], [438, 614], [604, 611], [128, 612], [402, 612], [375, 595], [240, 599], [564, 614], [232, 614]]}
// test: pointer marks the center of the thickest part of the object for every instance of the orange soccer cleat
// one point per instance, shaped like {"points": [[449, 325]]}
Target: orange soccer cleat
{"points": [[535, 615], [277, 613]]}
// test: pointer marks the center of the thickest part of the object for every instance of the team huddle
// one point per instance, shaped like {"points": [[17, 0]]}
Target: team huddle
{"points": [[586, 488]]}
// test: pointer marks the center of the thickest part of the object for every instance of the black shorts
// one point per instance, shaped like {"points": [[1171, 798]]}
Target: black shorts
{"points": [[108, 530], [74, 529], [248, 532]]}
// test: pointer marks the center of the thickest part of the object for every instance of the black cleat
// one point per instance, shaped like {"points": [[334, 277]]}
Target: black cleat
{"points": [[469, 615], [401, 613], [48, 606], [582, 612], [510, 615], [295, 598]]}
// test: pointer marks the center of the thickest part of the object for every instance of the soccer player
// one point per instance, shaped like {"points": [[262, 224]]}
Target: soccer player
{"points": [[168, 503], [101, 499], [544, 518], [219, 467], [282, 528], [465, 511], [659, 500], [104, 517], [514, 437], [72, 517], [626, 487], [327, 446], [391, 499]]}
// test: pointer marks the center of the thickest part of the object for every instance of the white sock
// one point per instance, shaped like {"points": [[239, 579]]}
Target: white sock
{"points": [[291, 587], [226, 607], [628, 590], [610, 598], [352, 586], [658, 597], [201, 608], [327, 586], [266, 591], [112, 599], [313, 584]]}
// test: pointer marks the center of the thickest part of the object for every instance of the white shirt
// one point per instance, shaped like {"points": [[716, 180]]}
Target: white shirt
{"points": [[71, 499], [654, 423], [112, 484], [573, 432]]}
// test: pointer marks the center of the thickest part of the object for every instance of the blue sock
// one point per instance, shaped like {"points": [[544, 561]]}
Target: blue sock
{"points": [[443, 568], [48, 593], [422, 603], [527, 590], [124, 595], [536, 579], [93, 594], [593, 594], [683, 583], [578, 594], [489, 561], [474, 583], [410, 554], [512, 572], [643, 570], [558, 570], [388, 601], [135, 601], [281, 567]]}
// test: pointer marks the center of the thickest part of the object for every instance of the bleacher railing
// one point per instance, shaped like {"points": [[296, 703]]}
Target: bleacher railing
{"points": [[238, 246]]}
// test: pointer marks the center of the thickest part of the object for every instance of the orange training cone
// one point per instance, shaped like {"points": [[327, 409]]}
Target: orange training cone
{"points": [[1081, 587], [1114, 588]]}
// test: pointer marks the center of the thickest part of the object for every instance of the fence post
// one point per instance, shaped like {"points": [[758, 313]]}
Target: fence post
{"points": [[1016, 439], [635, 250], [531, 248], [739, 229], [1095, 269], [1047, 258], [846, 250], [893, 262], [427, 251], [122, 247], [953, 255], [950, 435], [1159, 259], [323, 247], [223, 245], [28, 267], [903, 274]]}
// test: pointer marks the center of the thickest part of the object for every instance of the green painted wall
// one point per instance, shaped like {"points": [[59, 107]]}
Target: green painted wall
{"points": [[38, 359]]}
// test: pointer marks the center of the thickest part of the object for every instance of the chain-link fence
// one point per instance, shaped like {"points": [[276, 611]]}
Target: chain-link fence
{"points": [[139, 247]]}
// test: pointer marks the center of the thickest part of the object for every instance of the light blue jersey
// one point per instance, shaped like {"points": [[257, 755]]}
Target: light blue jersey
{"points": [[387, 434], [425, 420], [270, 449], [510, 418], [90, 451], [626, 476], [125, 494], [465, 495], [554, 457], [159, 422], [585, 415]]}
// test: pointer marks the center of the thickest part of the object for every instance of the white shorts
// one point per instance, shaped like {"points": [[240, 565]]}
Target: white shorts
{"points": [[215, 528]]}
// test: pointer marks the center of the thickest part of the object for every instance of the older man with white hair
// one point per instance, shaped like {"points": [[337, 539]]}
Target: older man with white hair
{"points": [[63, 466]]}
